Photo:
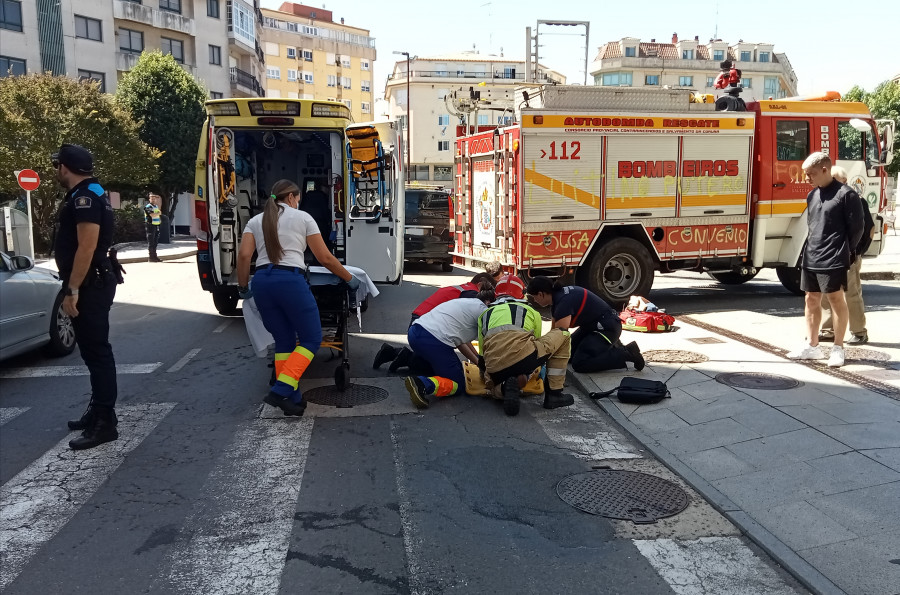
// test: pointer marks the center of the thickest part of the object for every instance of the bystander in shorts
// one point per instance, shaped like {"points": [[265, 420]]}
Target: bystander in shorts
{"points": [[823, 281]]}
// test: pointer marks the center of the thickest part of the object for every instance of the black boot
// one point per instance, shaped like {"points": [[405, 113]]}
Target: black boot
{"points": [[634, 356], [288, 407], [401, 360], [511, 395], [101, 428], [85, 420], [384, 355], [556, 398]]}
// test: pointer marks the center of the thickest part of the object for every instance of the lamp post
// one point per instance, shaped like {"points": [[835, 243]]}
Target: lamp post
{"points": [[408, 116]]}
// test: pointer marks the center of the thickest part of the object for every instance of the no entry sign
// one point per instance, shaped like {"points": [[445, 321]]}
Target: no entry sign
{"points": [[28, 179]]}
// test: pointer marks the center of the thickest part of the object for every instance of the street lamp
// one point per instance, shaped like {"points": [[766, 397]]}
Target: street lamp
{"points": [[408, 115]]}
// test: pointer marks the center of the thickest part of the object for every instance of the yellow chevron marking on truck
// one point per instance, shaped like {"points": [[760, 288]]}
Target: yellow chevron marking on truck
{"points": [[561, 188]]}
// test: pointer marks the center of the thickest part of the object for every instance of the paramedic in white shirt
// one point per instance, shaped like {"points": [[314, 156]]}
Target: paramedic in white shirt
{"points": [[280, 235]]}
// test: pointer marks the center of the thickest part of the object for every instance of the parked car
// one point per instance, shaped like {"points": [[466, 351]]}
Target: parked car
{"points": [[427, 233], [31, 313]]}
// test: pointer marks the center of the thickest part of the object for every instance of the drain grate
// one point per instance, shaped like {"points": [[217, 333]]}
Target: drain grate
{"points": [[625, 495], [706, 340], [674, 356], [758, 380], [356, 394]]}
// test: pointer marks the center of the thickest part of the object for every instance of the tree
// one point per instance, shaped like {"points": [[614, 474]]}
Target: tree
{"points": [[168, 103], [39, 112], [884, 103]]}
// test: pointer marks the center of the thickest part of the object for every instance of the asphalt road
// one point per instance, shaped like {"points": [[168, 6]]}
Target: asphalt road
{"points": [[207, 491]]}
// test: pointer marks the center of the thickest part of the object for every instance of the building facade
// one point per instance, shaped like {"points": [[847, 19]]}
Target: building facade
{"points": [[309, 56], [217, 41], [688, 63], [440, 100]]}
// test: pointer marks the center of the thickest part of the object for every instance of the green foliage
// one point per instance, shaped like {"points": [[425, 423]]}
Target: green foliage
{"points": [[168, 103], [884, 103], [130, 224], [39, 112]]}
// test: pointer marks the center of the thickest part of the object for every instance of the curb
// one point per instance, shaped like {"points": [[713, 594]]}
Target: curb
{"points": [[133, 259], [880, 276], [802, 570]]}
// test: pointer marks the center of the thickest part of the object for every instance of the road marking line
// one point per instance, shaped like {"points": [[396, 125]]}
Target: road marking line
{"points": [[44, 496], [183, 361], [581, 436], [237, 538], [57, 371], [10, 413], [411, 541], [721, 565], [222, 326]]}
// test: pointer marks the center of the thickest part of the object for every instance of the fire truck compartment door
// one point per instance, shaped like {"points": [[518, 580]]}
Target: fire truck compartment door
{"points": [[641, 176], [563, 176], [782, 178], [714, 175]]}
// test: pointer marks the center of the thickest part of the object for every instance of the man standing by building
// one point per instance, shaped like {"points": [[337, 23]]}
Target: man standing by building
{"points": [[83, 237], [154, 219], [835, 222]]}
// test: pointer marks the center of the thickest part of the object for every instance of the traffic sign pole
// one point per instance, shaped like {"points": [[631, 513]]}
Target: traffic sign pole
{"points": [[30, 223], [29, 180]]}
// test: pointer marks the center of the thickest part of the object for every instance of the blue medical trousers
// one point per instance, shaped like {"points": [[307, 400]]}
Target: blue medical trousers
{"points": [[442, 357]]}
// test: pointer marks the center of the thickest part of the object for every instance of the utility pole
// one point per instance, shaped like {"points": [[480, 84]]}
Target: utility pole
{"points": [[408, 116]]}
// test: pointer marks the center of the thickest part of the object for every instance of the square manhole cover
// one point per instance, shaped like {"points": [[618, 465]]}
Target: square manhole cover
{"points": [[706, 340]]}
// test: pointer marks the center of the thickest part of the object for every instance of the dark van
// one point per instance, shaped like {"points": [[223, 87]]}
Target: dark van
{"points": [[427, 231]]}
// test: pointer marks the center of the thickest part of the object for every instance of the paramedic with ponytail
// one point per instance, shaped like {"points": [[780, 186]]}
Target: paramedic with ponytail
{"points": [[280, 235]]}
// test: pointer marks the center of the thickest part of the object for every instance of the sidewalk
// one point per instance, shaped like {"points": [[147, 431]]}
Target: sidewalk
{"points": [[886, 266], [811, 474], [180, 247]]}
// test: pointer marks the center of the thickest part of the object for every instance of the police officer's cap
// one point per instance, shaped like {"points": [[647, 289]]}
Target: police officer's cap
{"points": [[75, 157]]}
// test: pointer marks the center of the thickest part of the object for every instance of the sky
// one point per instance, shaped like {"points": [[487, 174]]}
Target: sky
{"points": [[832, 46]]}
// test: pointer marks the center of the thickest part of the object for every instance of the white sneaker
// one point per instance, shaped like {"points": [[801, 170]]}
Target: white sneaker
{"points": [[807, 352], [836, 359]]}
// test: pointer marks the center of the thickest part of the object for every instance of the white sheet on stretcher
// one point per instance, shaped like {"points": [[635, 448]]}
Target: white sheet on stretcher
{"points": [[261, 339]]}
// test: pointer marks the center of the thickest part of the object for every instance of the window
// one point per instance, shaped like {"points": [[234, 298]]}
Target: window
{"points": [[293, 95], [504, 120], [745, 57], [345, 62], [443, 173], [718, 55], [216, 95], [174, 47], [366, 108], [90, 75], [630, 52], [509, 72], [292, 53], [332, 80], [293, 27], [310, 30], [365, 86], [484, 119], [86, 28], [617, 79], [131, 42], [770, 86], [747, 83], [272, 49], [307, 77], [273, 72], [440, 70], [710, 82], [685, 81], [330, 59], [443, 120], [346, 83], [307, 55], [274, 93], [212, 8], [170, 5], [10, 16], [651, 79], [215, 55], [419, 172], [292, 75], [850, 142], [243, 23], [687, 54], [11, 66], [364, 64], [348, 103], [792, 138], [764, 56]]}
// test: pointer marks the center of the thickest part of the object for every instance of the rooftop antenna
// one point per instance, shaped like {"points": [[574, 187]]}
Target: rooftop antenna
{"points": [[716, 34]]}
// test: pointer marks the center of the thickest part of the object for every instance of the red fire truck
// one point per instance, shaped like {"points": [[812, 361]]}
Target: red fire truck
{"points": [[611, 185]]}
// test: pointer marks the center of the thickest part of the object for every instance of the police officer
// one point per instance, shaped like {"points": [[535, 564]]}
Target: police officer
{"points": [[154, 219], [83, 238]]}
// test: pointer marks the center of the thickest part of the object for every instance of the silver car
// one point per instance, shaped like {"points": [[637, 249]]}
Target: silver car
{"points": [[31, 313]]}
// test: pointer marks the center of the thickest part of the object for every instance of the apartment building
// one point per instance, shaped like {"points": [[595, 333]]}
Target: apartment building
{"points": [[440, 92], [217, 41], [309, 56], [689, 63]]}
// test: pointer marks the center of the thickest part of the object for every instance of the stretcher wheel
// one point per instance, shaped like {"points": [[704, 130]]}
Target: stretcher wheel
{"points": [[342, 377], [364, 305]]}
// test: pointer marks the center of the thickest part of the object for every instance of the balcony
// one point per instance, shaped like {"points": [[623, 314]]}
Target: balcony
{"points": [[246, 83], [125, 61], [497, 77], [162, 19]]}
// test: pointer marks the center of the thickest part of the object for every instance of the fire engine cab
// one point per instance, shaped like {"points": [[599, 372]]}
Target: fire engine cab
{"points": [[614, 184]]}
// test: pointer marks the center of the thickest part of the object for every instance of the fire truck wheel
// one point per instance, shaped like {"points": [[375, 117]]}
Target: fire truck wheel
{"points": [[620, 269], [732, 278], [790, 278], [226, 300]]}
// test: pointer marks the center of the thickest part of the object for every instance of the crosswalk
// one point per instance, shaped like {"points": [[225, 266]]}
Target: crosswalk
{"points": [[459, 510]]}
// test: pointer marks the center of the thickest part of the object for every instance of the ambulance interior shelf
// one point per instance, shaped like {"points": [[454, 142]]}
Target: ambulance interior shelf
{"points": [[369, 176]]}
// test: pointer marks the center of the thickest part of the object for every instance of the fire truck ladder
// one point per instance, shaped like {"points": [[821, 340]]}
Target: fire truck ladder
{"points": [[368, 168]]}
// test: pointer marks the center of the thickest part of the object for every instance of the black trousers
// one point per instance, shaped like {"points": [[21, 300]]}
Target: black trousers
{"points": [[598, 350], [95, 298], [152, 240]]}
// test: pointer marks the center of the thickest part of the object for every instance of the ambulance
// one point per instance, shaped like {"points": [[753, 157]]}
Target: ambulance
{"points": [[610, 186]]}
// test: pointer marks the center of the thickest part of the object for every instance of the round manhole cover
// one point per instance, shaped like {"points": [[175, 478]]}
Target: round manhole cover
{"points": [[858, 354], [624, 495], [674, 356], [356, 394], [757, 380]]}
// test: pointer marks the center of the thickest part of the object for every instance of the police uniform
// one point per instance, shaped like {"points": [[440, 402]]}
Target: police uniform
{"points": [[154, 219], [88, 202]]}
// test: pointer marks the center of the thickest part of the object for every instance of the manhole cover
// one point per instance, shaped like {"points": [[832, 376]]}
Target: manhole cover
{"points": [[757, 380], [858, 354], [706, 340], [356, 394], [624, 495], [674, 356]]}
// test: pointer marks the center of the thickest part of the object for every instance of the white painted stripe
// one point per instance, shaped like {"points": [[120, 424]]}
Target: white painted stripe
{"points": [[237, 538], [581, 436], [721, 565], [222, 326], [44, 496], [10, 413], [29, 179], [59, 371], [412, 540], [184, 360]]}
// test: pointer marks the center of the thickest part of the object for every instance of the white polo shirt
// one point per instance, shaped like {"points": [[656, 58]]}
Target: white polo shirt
{"points": [[293, 228], [454, 322]]}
